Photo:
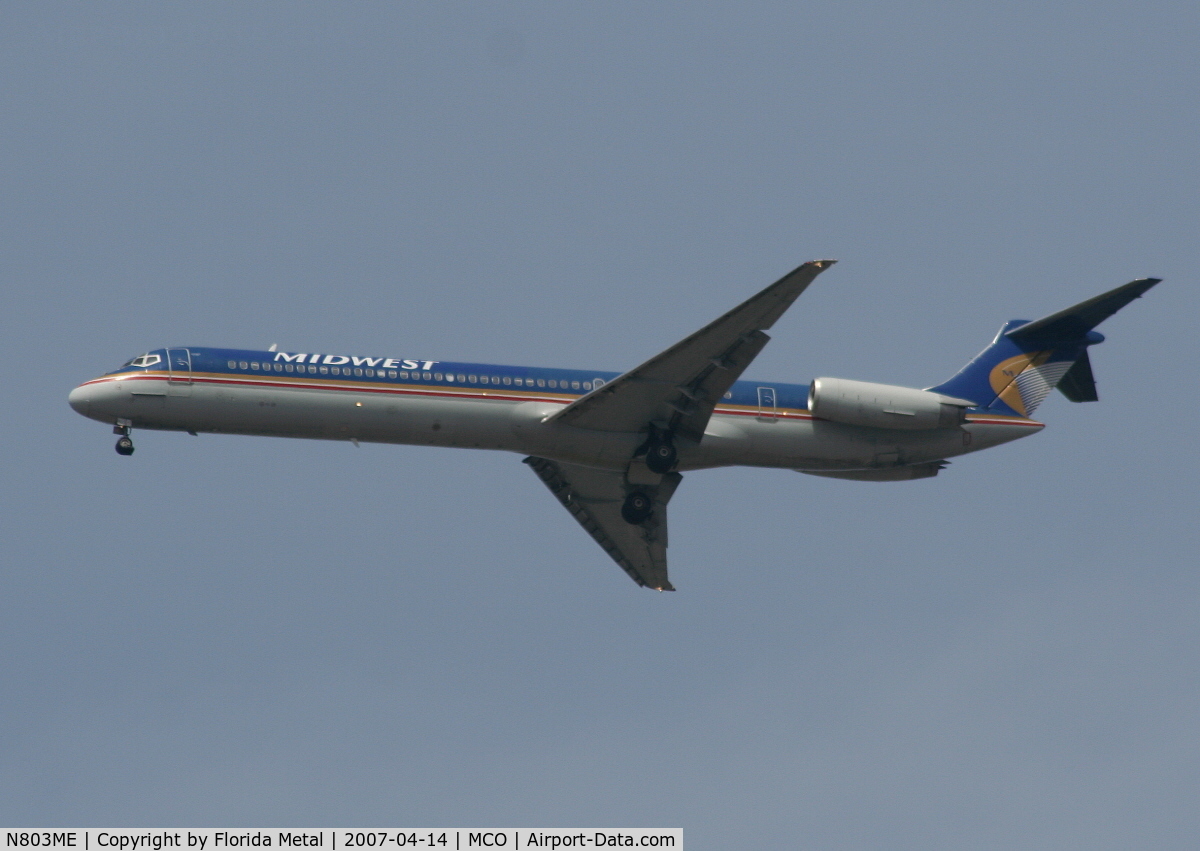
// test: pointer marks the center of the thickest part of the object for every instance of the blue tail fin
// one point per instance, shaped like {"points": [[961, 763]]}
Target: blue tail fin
{"points": [[1029, 359]]}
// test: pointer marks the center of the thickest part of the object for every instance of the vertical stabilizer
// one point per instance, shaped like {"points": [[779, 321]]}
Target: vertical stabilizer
{"points": [[1029, 359]]}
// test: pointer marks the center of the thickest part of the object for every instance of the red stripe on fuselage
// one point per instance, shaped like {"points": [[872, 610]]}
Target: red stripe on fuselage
{"points": [[472, 393], [413, 390]]}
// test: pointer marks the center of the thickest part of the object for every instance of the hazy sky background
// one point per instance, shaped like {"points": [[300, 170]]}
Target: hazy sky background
{"points": [[236, 631]]}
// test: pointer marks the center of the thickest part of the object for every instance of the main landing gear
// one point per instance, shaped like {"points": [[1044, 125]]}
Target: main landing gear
{"points": [[124, 443], [660, 455], [637, 508]]}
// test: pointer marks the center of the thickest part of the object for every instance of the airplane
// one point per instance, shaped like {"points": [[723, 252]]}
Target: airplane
{"points": [[612, 447]]}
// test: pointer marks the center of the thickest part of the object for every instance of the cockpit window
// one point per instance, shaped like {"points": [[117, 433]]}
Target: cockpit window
{"points": [[144, 360]]}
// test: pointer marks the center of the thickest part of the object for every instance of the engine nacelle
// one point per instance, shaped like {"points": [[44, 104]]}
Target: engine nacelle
{"points": [[862, 403]]}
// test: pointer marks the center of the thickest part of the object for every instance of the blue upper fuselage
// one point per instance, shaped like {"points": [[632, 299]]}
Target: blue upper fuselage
{"points": [[380, 371]]}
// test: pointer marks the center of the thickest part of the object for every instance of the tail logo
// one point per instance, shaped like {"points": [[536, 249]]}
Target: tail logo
{"points": [[1022, 382]]}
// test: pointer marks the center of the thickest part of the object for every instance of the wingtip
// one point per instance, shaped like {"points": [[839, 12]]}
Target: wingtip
{"points": [[821, 264]]}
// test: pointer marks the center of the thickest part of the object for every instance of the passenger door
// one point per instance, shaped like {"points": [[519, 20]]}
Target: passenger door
{"points": [[767, 412], [179, 372]]}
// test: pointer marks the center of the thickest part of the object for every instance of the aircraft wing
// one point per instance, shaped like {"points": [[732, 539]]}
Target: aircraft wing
{"points": [[594, 498], [679, 388]]}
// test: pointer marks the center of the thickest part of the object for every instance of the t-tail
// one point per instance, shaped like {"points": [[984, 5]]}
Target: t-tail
{"points": [[1029, 359]]}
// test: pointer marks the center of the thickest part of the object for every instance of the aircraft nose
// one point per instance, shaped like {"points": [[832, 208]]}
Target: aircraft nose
{"points": [[80, 399]]}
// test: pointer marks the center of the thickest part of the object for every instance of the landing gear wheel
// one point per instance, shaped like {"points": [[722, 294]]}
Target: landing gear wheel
{"points": [[661, 457], [125, 446], [637, 508]]}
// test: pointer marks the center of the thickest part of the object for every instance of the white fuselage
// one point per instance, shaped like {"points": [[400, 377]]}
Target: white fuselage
{"points": [[491, 418]]}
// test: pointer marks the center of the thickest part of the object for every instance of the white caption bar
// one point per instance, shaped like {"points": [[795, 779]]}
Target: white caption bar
{"points": [[342, 839]]}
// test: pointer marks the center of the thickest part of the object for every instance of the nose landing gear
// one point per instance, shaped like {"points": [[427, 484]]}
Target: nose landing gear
{"points": [[124, 443]]}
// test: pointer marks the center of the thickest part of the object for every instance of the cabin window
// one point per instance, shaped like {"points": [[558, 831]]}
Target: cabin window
{"points": [[574, 385], [461, 378], [371, 373], [391, 373], [437, 376], [243, 365], [541, 382], [254, 364], [312, 370], [325, 370], [507, 380], [404, 374], [728, 395], [425, 376], [233, 364], [553, 383], [587, 385], [287, 367], [357, 371], [279, 367], [335, 370], [471, 379]]}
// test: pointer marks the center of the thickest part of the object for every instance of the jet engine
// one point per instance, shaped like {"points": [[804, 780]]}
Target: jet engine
{"points": [[862, 403]]}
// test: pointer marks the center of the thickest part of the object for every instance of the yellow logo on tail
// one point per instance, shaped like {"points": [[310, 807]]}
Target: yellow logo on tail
{"points": [[1003, 378]]}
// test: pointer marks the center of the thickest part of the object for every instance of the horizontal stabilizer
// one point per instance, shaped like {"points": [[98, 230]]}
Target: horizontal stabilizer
{"points": [[1078, 384], [1075, 322]]}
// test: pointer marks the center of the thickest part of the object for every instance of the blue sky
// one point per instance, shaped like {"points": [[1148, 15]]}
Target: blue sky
{"points": [[237, 631]]}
